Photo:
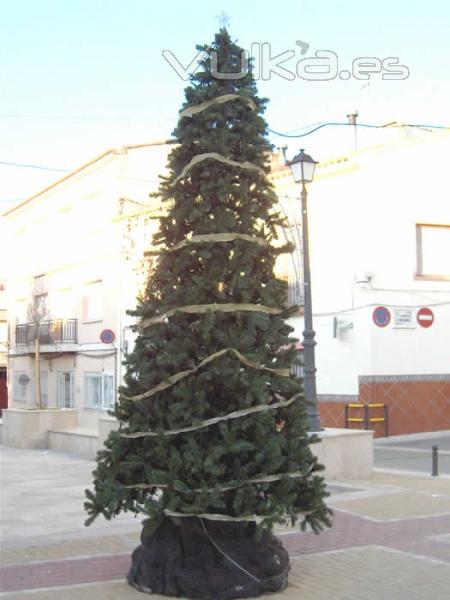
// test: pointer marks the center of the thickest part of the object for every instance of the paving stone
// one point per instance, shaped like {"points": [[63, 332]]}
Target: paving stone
{"points": [[110, 590], [445, 538], [368, 573], [443, 442], [388, 540], [106, 544], [400, 505], [381, 480]]}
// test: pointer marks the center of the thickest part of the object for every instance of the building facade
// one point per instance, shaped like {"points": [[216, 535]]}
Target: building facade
{"points": [[3, 349], [78, 263], [379, 243], [379, 223]]}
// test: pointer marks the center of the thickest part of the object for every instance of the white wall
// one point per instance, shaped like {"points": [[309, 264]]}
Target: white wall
{"points": [[362, 217], [77, 233]]}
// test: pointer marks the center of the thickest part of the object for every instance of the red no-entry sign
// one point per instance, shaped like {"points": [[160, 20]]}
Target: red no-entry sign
{"points": [[425, 317]]}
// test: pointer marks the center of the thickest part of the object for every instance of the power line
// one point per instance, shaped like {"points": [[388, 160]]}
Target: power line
{"points": [[45, 168], [367, 125], [8, 200], [277, 133], [78, 117], [27, 166]]}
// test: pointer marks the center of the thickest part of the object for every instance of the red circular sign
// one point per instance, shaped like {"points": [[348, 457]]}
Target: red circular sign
{"points": [[381, 316], [425, 317], [107, 336]]}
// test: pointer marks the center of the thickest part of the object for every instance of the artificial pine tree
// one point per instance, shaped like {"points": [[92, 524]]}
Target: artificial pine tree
{"points": [[212, 445]]}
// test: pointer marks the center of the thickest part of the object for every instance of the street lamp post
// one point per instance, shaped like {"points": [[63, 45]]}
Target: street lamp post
{"points": [[302, 167]]}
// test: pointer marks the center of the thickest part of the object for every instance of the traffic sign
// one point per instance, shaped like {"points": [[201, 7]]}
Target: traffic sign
{"points": [[425, 317], [381, 316], [107, 336]]}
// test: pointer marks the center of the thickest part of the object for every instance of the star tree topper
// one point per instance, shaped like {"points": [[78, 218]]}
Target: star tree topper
{"points": [[224, 19]]}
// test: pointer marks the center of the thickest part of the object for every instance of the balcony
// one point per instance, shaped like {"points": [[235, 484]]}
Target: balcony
{"points": [[57, 331], [295, 295]]}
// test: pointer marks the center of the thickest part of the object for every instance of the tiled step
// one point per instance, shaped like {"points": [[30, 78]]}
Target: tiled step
{"points": [[78, 441]]}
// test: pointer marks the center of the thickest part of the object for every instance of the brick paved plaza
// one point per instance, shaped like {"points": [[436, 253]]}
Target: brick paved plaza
{"points": [[390, 539]]}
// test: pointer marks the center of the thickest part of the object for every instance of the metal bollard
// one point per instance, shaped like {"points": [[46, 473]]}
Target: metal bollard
{"points": [[435, 461]]}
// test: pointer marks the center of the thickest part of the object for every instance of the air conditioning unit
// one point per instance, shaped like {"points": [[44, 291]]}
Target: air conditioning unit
{"points": [[23, 379], [341, 324]]}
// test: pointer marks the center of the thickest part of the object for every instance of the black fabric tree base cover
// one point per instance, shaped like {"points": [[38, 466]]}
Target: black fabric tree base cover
{"points": [[199, 558]]}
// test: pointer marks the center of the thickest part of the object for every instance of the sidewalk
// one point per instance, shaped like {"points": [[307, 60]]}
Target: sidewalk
{"points": [[413, 452], [390, 539]]}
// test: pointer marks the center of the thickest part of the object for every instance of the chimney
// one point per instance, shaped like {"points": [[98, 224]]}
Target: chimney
{"points": [[282, 155], [352, 121]]}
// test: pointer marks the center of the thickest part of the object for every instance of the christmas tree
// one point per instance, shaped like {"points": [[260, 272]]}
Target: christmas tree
{"points": [[213, 440]]}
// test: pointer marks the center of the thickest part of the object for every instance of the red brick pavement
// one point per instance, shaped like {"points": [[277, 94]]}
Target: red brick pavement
{"points": [[55, 573], [410, 535], [416, 536]]}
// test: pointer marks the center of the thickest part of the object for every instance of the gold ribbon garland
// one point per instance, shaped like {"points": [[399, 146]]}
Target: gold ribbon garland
{"points": [[233, 415], [222, 488], [221, 517], [203, 308], [213, 516], [173, 379], [213, 237], [216, 156], [190, 111]]}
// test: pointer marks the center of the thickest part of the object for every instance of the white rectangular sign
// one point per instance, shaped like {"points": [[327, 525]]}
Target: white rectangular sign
{"points": [[403, 318]]}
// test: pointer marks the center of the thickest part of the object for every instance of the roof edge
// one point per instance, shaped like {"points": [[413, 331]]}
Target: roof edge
{"points": [[84, 166]]}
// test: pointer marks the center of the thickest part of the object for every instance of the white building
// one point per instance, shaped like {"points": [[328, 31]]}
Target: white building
{"points": [[78, 248], [379, 236], [3, 348], [379, 223]]}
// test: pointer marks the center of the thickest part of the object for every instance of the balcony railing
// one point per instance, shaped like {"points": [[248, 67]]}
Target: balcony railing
{"points": [[295, 295], [57, 331]]}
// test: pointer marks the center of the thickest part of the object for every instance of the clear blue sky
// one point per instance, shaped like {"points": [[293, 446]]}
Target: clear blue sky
{"points": [[80, 76]]}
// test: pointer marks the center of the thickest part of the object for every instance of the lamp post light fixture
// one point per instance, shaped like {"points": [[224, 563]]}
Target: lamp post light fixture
{"points": [[302, 167]]}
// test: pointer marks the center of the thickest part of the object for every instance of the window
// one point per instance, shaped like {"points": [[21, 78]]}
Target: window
{"points": [[63, 304], [289, 267], [3, 332], [20, 309], [37, 312], [99, 390], [94, 301], [294, 288], [299, 369], [40, 305], [433, 250], [93, 390], [20, 382], [108, 391], [64, 391], [40, 285]]}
